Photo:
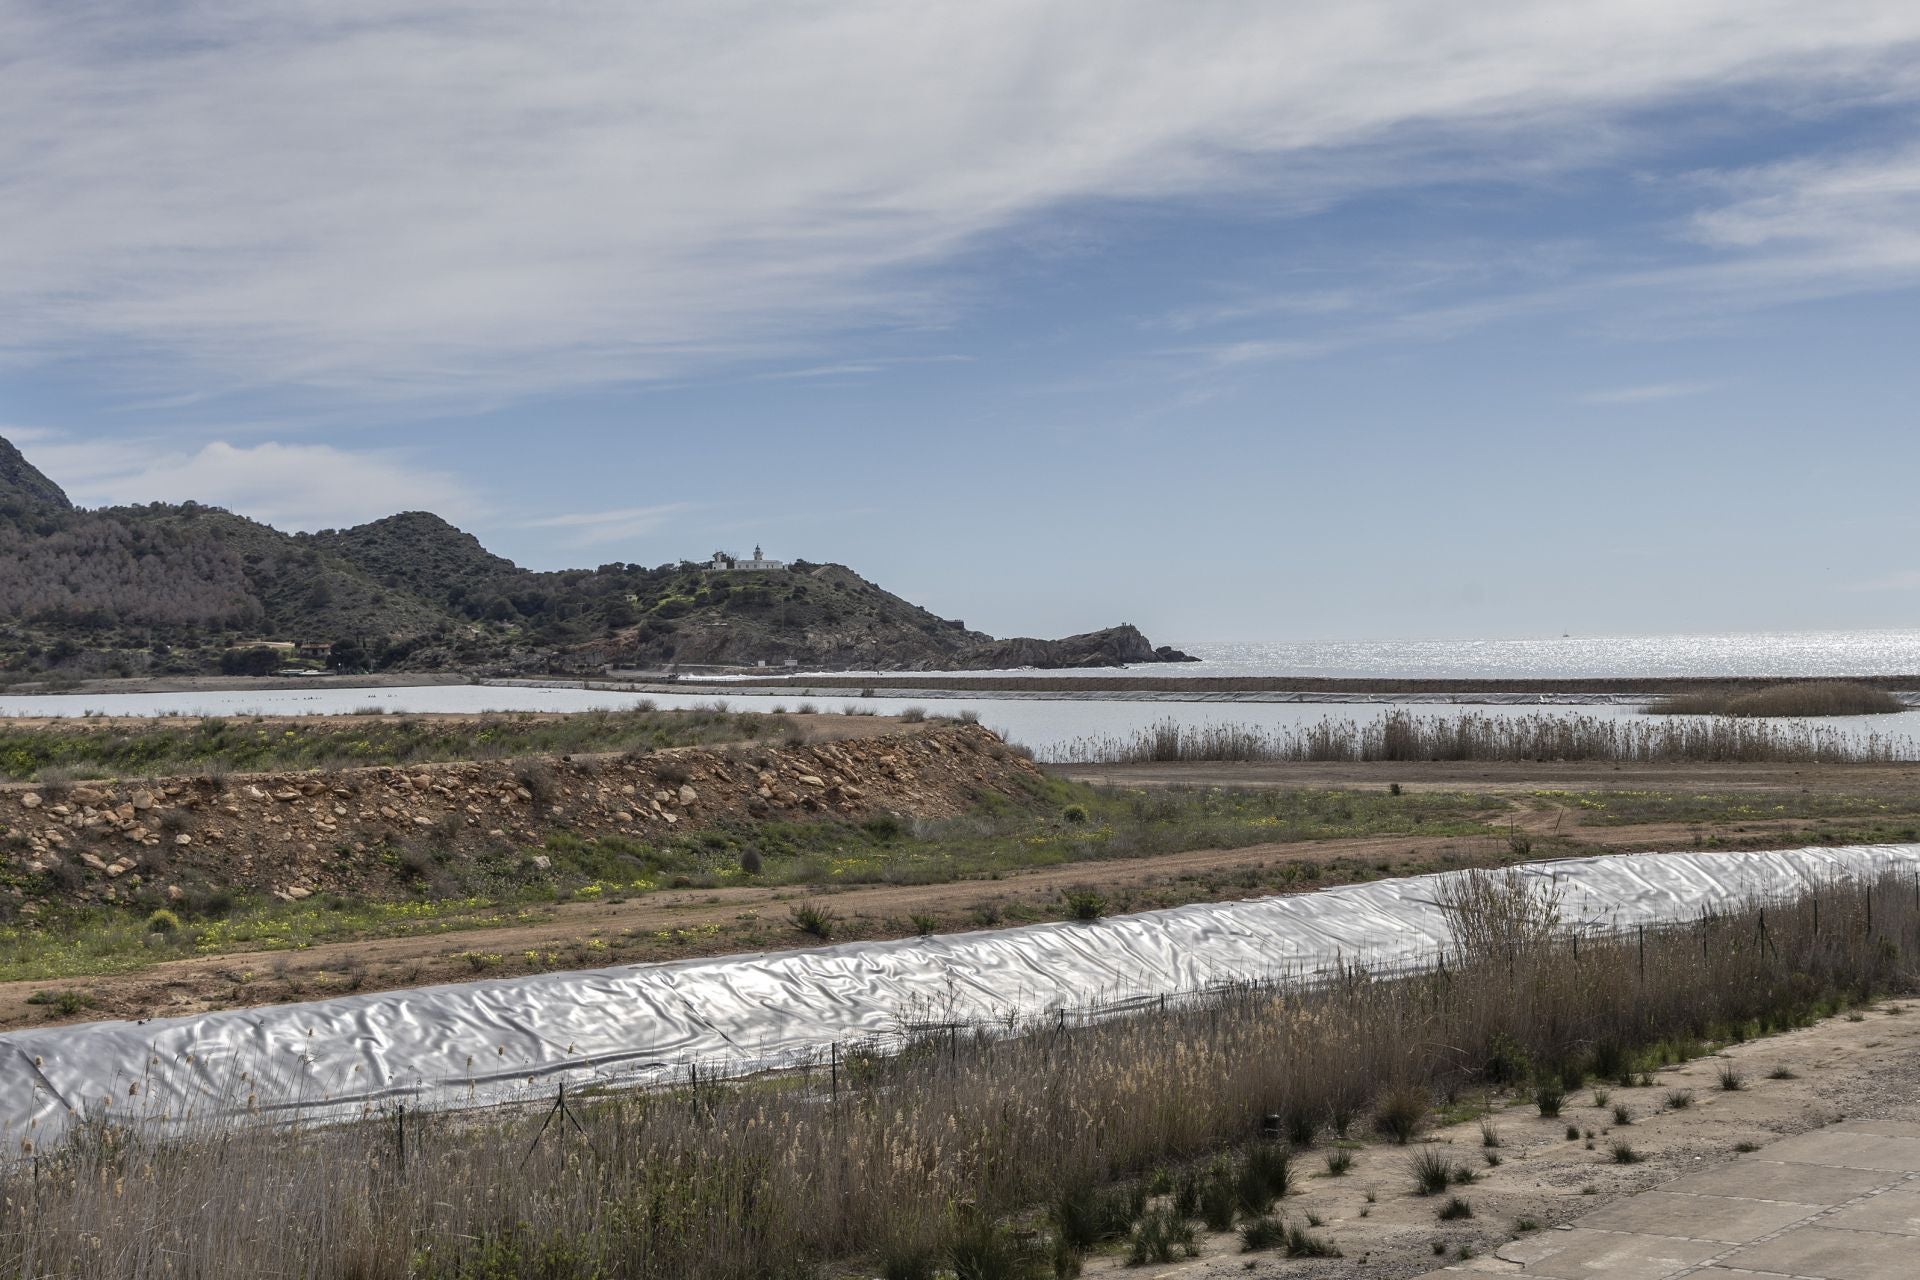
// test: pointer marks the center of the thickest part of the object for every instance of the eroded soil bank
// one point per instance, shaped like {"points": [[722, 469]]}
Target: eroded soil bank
{"points": [[291, 835]]}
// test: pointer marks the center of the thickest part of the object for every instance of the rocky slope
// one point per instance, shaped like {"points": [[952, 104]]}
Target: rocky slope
{"points": [[384, 832], [184, 589]]}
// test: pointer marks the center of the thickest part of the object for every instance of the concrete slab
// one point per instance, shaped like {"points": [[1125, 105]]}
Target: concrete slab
{"points": [[1694, 1217], [1884, 1128], [1831, 1255], [1896, 1211], [1849, 1149], [1581, 1254], [1768, 1179]]}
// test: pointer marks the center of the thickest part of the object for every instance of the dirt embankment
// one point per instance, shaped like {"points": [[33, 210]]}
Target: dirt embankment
{"points": [[296, 834]]}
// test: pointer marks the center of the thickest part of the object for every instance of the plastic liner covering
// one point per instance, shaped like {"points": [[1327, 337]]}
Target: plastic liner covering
{"points": [[492, 1042]]}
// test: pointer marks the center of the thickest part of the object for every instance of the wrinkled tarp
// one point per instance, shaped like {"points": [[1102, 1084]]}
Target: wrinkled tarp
{"points": [[490, 1042]]}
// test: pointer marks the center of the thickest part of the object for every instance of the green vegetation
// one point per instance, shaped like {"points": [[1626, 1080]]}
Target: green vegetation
{"points": [[1731, 809], [95, 941], [1001, 836], [1800, 698], [85, 749]]}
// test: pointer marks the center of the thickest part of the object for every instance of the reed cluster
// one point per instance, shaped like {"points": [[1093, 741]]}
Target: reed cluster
{"points": [[1402, 735], [1801, 698], [967, 1142]]}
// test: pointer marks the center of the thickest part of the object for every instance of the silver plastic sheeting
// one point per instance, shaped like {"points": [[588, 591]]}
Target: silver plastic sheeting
{"points": [[484, 1043]]}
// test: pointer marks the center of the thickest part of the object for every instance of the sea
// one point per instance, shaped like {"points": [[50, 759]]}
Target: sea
{"points": [[1773, 653], [1566, 657], [1063, 727]]}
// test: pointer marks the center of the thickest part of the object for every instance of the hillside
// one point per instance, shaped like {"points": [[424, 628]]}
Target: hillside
{"points": [[188, 589]]}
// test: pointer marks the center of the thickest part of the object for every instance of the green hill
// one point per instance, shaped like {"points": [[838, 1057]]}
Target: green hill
{"points": [[165, 589]]}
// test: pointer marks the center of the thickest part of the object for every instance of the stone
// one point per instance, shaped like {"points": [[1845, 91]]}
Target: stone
{"points": [[183, 840], [541, 862], [298, 892], [808, 779], [175, 893], [142, 799], [688, 796], [30, 801]]}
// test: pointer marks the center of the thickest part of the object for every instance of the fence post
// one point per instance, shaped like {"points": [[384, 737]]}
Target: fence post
{"points": [[1643, 953], [400, 1137], [836, 1070]]}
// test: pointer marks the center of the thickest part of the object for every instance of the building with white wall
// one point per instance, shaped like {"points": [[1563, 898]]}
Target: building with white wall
{"points": [[725, 563]]}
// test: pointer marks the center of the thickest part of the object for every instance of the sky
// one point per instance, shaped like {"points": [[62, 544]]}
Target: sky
{"points": [[1237, 321]]}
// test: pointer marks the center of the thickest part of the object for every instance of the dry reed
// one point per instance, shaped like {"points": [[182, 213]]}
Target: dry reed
{"points": [[1802, 698], [1401, 735], [930, 1150]]}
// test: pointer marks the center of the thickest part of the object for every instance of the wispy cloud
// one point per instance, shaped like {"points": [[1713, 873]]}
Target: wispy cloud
{"points": [[591, 528], [290, 486], [859, 368], [491, 198], [1903, 580], [1646, 393]]}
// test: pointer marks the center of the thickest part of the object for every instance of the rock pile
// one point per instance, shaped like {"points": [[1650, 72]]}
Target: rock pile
{"points": [[294, 834]]}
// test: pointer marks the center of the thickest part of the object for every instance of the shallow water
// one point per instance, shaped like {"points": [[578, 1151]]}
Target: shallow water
{"points": [[1048, 726], [1776, 653]]}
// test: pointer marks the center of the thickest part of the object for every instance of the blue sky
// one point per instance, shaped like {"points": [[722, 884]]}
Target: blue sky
{"points": [[1237, 321]]}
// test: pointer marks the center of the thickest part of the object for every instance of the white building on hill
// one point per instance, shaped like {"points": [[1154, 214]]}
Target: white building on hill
{"points": [[725, 563]]}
